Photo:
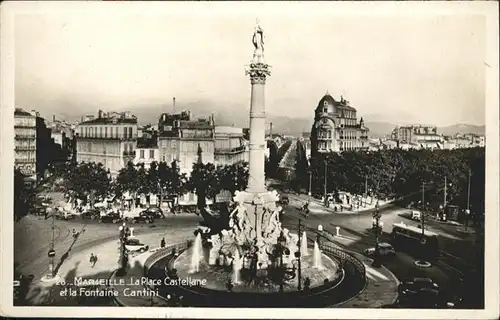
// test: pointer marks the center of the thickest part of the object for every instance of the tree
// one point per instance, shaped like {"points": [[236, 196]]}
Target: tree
{"points": [[23, 196], [89, 182], [204, 181], [128, 179], [272, 162], [301, 167]]}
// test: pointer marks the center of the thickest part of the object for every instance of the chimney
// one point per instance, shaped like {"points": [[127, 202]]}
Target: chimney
{"points": [[271, 130], [174, 103], [53, 118], [212, 119], [99, 114]]}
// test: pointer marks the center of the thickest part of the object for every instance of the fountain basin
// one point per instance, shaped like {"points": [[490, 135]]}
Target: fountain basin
{"points": [[217, 277]]}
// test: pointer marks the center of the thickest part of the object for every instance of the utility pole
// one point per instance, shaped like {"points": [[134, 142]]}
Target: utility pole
{"points": [[299, 286], [445, 186], [468, 191], [423, 210], [310, 183], [366, 190], [326, 173], [52, 245], [467, 212]]}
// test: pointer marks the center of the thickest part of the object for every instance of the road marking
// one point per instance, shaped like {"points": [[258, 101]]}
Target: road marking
{"points": [[374, 273]]}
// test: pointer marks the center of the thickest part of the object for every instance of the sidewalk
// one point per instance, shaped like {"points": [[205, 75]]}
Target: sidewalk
{"points": [[317, 206], [78, 265], [381, 287]]}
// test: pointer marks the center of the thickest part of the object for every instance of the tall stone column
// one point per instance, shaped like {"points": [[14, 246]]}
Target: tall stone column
{"points": [[256, 210], [258, 71]]}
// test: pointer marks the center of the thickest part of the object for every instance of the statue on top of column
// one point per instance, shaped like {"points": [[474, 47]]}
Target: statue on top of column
{"points": [[258, 37]]}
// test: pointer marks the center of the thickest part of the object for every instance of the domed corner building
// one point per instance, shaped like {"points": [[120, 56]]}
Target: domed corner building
{"points": [[336, 127]]}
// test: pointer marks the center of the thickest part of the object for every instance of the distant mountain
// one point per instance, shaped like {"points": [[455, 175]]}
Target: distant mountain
{"points": [[379, 129], [462, 128], [228, 114]]}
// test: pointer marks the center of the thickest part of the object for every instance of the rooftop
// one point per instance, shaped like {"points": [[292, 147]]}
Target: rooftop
{"points": [[111, 120], [21, 112]]}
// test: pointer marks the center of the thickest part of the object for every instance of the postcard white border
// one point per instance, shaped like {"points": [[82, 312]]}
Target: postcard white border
{"points": [[263, 10]]}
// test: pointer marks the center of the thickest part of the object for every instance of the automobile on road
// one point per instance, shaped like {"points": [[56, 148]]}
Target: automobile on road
{"points": [[155, 213], [134, 245], [384, 249], [91, 214], [284, 200], [415, 215], [111, 217], [143, 217], [425, 298], [61, 215], [417, 284]]}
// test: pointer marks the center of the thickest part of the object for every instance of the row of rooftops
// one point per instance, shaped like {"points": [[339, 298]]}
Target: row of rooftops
{"points": [[110, 118]]}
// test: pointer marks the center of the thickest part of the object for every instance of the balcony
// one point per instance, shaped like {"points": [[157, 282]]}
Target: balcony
{"points": [[230, 150], [25, 161], [25, 148], [25, 136], [129, 153], [117, 138]]}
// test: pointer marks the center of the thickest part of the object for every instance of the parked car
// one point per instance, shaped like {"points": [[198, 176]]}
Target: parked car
{"points": [[426, 298], [143, 217], [384, 249], [155, 212], [111, 217], [284, 200], [91, 214], [133, 244], [61, 215], [417, 284]]}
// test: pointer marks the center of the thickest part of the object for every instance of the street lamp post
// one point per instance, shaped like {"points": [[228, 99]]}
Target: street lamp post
{"points": [[467, 212], [298, 254], [310, 183], [52, 244], [376, 261], [324, 191], [422, 220], [280, 251]]}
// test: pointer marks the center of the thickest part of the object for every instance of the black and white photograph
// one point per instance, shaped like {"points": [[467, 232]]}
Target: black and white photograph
{"points": [[298, 160]]}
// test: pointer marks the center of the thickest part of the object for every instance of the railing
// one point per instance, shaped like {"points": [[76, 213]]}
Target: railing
{"points": [[129, 153], [229, 150], [162, 252]]}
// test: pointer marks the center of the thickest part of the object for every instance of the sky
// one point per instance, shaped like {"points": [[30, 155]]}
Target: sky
{"points": [[395, 68]]}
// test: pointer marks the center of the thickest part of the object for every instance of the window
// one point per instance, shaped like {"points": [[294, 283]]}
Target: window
{"points": [[142, 154], [130, 132], [100, 132], [105, 132], [151, 154], [125, 132]]}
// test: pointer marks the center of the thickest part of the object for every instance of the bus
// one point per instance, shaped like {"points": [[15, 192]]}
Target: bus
{"points": [[410, 238]]}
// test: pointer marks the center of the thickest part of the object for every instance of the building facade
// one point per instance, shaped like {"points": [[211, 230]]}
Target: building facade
{"points": [[147, 151], [230, 147], [25, 142], [110, 139], [185, 140], [336, 127], [419, 136]]}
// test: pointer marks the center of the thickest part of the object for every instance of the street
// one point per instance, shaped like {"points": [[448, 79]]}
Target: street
{"points": [[356, 235]]}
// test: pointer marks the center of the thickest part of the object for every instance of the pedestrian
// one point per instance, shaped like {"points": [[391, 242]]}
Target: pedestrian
{"points": [[162, 243], [92, 259], [95, 260]]}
